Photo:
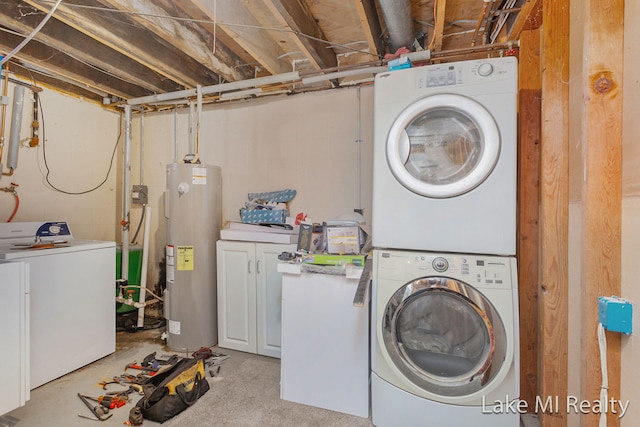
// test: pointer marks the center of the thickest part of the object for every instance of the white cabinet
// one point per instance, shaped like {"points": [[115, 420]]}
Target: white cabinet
{"points": [[249, 296], [14, 335]]}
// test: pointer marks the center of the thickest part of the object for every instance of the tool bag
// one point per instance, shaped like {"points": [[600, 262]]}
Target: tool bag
{"points": [[170, 392]]}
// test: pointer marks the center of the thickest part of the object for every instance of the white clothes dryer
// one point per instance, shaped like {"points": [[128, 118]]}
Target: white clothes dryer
{"points": [[444, 340], [445, 153]]}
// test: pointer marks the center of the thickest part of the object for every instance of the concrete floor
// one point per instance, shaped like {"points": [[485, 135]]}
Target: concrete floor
{"points": [[56, 403]]}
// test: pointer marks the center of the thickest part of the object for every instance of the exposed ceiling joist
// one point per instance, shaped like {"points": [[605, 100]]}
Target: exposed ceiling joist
{"points": [[140, 48], [370, 25], [156, 19], [305, 31], [60, 37], [236, 20]]}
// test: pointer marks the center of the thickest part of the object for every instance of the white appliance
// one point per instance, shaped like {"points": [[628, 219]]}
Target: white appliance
{"points": [[445, 340], [444, 171], [193, 208], [14, 335], [72, 296], [325, 342]]}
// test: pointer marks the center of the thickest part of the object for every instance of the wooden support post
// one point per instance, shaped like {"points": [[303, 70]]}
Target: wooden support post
{"points": [[601, 140], [528, 201], [554, 207]]}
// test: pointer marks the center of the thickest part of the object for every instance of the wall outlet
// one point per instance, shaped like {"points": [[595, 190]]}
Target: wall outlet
{"points": [[615, 314]]}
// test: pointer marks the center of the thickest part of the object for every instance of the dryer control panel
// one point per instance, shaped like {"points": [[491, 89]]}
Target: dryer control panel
{"points": [[479, 71], [475, 270]]}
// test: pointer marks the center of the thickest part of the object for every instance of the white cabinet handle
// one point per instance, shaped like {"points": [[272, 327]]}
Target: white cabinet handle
{"points": [[258, 267], [249, 267]]}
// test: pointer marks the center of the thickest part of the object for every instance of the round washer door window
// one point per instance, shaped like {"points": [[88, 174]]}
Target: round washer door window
{"points": [[444, 336], [443, 146]]}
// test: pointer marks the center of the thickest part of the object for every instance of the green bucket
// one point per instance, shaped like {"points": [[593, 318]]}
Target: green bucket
{"points": [[135, 273]]}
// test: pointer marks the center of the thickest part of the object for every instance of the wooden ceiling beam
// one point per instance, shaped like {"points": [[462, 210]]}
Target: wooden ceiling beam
{"points": [[75, 44], [305, 31], [233, 18], [119, 34], [438, 31], [527, 18], [57, 63], [156, 19], [370, 24]]}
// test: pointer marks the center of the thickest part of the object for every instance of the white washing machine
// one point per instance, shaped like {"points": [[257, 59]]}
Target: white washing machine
{"points": [[444, 171], [72, 314], [445, 340]]}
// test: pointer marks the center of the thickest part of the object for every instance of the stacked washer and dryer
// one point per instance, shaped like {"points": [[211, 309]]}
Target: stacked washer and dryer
{"points": [[445, 340]]}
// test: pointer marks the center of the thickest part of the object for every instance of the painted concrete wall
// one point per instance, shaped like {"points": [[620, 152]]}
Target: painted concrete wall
{"points": [[78, 139], [306, 142]]}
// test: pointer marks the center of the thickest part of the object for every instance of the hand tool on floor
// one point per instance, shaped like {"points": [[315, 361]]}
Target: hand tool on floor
{"points": [[125, 393], [98, 411], [146, 370], [109, 401]]}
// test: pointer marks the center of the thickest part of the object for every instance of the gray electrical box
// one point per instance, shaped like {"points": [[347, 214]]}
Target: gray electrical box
{"points": [[139, 195]]}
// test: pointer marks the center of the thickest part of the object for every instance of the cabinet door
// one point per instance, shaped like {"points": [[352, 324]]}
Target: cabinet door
{"points": [[269, 297], [236, 295]]}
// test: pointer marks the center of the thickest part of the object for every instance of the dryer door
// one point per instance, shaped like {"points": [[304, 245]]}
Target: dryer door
{"points": [[444, 336], [443, 146]]}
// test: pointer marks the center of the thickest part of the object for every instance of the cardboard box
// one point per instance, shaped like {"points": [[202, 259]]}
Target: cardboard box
{"points": [[342, 239], [264, 215]]}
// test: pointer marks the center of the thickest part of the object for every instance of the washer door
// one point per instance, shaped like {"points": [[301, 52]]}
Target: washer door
{"points": [[443, 146], [444, 336]]}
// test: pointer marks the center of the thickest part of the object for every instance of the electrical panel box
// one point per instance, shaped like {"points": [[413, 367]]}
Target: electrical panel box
{"points": [[615, 314], [139, 195]]}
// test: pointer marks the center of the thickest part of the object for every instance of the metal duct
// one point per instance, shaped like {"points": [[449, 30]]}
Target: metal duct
{"points": [[397, 16]]}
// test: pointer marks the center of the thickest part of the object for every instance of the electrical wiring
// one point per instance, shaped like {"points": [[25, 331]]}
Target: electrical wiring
{"points": [[604, 388], [48, 170]]}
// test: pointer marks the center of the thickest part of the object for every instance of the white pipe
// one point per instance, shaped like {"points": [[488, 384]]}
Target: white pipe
{"points": [[340, 74], [222, 87], [199, 119], [126, 193], [16, 124], [175, 134], [141, 147], [145, 265], [240, 94], [192, 133], [30, 36], [359, 166]]}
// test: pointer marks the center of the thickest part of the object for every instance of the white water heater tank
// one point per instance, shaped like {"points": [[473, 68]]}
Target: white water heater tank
{"points": [[193, 201]]}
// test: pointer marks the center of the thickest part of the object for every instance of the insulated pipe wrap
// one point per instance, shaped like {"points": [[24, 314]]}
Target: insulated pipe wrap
{"points": [[16, 122]]}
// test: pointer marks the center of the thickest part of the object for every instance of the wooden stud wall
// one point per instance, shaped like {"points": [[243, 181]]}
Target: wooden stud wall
{"points": [[601, 190], [528, 201], [554, 215]]}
